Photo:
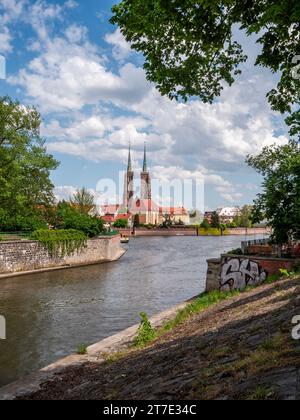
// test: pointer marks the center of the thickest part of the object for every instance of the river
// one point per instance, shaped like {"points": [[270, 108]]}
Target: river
{"points": [[49, 315]]}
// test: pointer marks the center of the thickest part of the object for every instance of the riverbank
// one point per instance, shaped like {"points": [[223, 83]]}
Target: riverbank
{"points": [[193, 231], [239, 348]]}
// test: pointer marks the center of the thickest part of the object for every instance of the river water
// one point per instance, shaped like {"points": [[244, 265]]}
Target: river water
{"points": [[49, 315]]}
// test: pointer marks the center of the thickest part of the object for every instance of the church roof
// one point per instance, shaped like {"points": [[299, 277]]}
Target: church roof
{"points": [[174, 211], [111, 209], [143, 206], [108, 218]]}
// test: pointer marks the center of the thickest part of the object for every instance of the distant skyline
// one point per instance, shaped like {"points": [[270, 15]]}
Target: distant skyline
{"points": [[65, 58]]}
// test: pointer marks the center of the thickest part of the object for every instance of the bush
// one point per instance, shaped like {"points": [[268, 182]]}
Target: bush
{"points": [[61, 243], [146, 332], [21, 223], [237, 251], [232, 225], [205, 224], [121, 224], [68, 217]]}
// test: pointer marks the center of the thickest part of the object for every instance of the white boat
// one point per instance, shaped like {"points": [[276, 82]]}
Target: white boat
{"points": [[124, 239]]}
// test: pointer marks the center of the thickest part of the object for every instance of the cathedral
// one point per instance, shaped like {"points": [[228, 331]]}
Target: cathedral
{"points": [[147, 210], [149, 213]]}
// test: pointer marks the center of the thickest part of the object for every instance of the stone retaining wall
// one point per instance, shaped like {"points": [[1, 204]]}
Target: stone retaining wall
{"points": [[23, 256]]}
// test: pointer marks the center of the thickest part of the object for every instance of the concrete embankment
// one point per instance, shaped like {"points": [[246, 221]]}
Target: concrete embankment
{"points": [[26, 257], [240, 348]]}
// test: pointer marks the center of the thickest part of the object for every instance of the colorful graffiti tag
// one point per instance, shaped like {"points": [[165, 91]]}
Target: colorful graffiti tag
{"points": [[239, 273]]}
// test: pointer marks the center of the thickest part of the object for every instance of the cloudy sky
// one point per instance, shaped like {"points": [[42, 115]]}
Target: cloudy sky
{"points": [[65, 58]]}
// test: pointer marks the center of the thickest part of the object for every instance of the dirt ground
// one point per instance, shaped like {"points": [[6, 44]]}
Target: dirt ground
{"points": [[239, 349]]}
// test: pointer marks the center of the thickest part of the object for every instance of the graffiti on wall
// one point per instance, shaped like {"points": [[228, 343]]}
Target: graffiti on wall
{"points": [[239, 273]]}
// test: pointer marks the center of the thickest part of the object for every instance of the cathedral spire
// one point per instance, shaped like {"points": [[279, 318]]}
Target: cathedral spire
{"points": [[129, 166], [145, 159]]}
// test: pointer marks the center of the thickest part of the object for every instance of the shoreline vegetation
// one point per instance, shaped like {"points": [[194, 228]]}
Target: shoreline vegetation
{"points": [[214, 345]]}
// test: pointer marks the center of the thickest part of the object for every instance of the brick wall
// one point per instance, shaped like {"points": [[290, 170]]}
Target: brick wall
{"points": [[237, 272], [16, 256]]}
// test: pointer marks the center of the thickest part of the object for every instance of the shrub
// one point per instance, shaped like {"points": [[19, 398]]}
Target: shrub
{"points": [[68, 217], [21, 223], [82, 349], [121, 224], [61, 243], [237, 251], [146, 332], [205, 224]]}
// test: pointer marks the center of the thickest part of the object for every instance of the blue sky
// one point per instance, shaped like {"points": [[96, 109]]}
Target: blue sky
{"points": [[65, 58]]}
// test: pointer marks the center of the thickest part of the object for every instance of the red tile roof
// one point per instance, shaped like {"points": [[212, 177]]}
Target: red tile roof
{"points": [[108, 218], [174, 211], [143, 206], [110, 208]]}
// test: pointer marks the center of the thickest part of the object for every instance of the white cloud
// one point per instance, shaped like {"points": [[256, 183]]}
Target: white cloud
{"points": [[121, 48], [10, 11], [5, 41], [76, 33], [64, 192], [39, 14], [70, 75]]}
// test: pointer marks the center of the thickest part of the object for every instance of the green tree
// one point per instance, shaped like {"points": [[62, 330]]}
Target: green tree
{"points": [[215, 220], [68, 217], [83, 200], [279, 202], [25, 185], [244, 219], [205, 224], [190, 47], [121, 224]]}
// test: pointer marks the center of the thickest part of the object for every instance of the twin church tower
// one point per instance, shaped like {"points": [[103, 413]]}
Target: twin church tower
{"points": [[129, 182]]}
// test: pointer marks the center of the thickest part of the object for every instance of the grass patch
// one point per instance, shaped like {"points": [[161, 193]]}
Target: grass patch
{"points": [[115, 357], [274, 343], [82, 349], [211, 232], [261, 393], [147, 334], [198, 305]]}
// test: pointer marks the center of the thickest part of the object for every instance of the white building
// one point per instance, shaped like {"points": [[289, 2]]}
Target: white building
{"points": [[228, 214]]}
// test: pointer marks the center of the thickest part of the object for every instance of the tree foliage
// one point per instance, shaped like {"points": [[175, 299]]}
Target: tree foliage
{"points": [[25, 185], [69, 217], [244, 219], [279, 202], [205, 224], [83, 200], [190, 47], [215, 220], [121, 224]]}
